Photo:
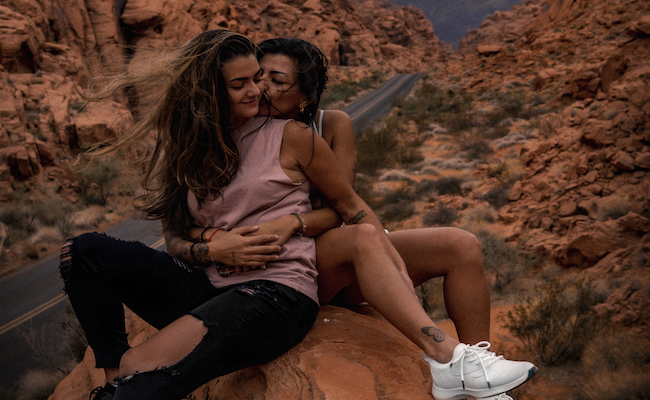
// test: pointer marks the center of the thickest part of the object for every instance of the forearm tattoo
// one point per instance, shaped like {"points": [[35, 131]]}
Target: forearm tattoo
{"points": [[357, 217], [191, 252], [434, 333]]}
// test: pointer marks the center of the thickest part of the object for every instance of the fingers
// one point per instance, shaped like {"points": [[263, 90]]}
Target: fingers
{"points": [[245, 230]]}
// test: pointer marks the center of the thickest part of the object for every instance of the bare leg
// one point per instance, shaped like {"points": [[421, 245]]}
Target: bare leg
{"points": [[428, 253], [457, 255], [360, 248], [165, 348]]}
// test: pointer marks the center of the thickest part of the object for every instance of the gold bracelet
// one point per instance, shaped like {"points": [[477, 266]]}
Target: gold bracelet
{"points": [[303, 226]]}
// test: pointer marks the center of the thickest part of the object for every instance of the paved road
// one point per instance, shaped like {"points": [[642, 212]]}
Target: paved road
{"points": [[32, 298], [370, 108]]}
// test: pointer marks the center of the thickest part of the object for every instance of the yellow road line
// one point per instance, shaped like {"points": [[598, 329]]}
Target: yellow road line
{"points": [[31, 314], [48, 304]]}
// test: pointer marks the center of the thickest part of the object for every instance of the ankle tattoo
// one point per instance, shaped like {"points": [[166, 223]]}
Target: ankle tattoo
{"points": [[434, 333]]}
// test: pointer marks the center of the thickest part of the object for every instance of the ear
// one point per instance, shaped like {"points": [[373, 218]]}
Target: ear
{"points": [[305, 103]]}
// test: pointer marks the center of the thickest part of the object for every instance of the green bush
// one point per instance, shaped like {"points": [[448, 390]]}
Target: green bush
{"points": [[556, 321]]}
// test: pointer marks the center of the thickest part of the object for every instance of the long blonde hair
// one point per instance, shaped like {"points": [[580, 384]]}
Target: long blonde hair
{"points": [[190, 114]]}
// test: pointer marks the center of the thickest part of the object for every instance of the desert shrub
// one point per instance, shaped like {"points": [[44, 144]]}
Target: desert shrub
{"points": [[443, 215], [449, 185], [376, 149], [363, 187], [616, 367], [397, 205], [30, 251], [98, 175], [70, 338], [429, 102], [337, 92], [512, 104], [505, 260], [399, 211], [497, 196], [482, 214], [18, 221], [556, 320], [342, 92], [425, 187], [54, 211], [477, 149], [409, 154], [37, 385]]}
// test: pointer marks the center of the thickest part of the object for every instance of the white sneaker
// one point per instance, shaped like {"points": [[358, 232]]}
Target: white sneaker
{"points": [[500, 396], [475, 371]]}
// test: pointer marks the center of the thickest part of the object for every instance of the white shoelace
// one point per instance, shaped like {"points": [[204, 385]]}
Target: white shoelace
{"points": [[485, 358]]}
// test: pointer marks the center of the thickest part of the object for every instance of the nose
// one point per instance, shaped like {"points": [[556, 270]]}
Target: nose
{"points": [[263, 85], [254, 90]]}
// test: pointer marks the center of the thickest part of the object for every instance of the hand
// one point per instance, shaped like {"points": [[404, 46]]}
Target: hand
{"points": [[241, 249], [283, 227]]}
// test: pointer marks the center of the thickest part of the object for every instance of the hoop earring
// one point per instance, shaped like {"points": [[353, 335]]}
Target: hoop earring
{"points": [[302, 110]]}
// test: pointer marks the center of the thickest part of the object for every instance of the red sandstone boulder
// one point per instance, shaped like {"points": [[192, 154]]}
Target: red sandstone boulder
{"points": [[346, 355]]}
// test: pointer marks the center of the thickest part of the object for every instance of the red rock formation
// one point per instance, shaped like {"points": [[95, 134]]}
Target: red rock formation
{"points": [[346, 355], [501, 28], [48, 48]]}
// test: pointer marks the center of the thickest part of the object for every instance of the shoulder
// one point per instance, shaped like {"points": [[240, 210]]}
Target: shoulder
{"points": [[336, 117], [298, 133], [337, 126]]}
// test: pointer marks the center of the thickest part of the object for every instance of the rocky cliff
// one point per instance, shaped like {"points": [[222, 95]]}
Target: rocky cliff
{"points": [[48, 48], [583, 197]]}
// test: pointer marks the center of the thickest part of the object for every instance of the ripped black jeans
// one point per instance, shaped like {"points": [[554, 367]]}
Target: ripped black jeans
{"points": [[248, 324]]}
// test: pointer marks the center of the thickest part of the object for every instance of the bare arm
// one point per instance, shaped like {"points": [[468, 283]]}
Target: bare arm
{"points": [[338, 133], [226, 247], [313, 156]]}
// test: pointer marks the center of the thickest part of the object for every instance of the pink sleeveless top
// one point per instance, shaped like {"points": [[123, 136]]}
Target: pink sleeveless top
{"points": [[261, 192]]}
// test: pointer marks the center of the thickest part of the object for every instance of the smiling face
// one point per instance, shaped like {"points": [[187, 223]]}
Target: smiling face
{"points": [[242, 76], [282, 89]]}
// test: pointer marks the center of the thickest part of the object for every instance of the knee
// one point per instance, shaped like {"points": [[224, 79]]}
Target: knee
{"points": [[366, 236], [74, 250], [469, 249]]}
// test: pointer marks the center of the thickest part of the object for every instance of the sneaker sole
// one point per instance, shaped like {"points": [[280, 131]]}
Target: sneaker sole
{"points": [[456, 394]]}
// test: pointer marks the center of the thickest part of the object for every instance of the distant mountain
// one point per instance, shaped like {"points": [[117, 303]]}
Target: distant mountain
{"points": [[453, 18]]}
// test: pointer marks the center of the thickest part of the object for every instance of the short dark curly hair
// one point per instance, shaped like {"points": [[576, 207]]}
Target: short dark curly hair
{"points": [[312, 68]]}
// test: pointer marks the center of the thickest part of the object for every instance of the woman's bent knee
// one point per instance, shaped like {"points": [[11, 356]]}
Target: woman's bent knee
{"points": [[76, 252]]}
